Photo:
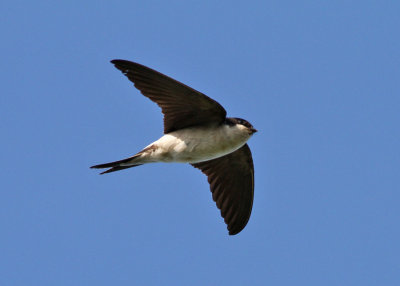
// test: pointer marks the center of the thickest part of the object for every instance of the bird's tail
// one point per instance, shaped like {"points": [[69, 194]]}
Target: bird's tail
{"points": [[118, 165]]}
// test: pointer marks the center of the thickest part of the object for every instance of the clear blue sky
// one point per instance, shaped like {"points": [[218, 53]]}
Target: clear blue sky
{"points": [[318, 79]]}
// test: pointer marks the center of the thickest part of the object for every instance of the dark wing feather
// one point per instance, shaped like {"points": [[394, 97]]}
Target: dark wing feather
{"points": [[182, 106], [231, 179]]}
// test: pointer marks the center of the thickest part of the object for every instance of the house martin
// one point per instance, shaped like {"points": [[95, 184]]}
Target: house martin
{"points": [[197, 131]]}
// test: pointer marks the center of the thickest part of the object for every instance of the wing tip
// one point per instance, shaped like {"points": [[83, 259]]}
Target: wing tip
{"points": [[235, 231], [115, 61], [118, 62], [121, 62]]}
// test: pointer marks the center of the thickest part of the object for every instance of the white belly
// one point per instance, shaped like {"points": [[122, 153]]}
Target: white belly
{"points": [[192, 145]]}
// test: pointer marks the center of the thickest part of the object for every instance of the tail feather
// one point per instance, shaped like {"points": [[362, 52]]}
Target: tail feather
{"points": [[116, 165], [117, 168]]}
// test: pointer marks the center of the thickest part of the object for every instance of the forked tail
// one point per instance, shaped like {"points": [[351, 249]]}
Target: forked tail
{"points": [[118, 165]]}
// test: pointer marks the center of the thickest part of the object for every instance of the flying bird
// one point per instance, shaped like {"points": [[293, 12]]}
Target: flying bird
{"points": [[197, 131]]}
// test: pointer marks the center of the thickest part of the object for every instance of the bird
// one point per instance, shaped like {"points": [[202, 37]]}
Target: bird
{"points": [[196, 131]]}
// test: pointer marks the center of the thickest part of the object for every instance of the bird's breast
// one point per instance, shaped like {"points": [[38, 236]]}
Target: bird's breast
{"points": [[197, 144]]}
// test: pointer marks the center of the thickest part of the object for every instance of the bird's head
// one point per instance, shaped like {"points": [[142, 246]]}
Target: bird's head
{"points": [[241, 123]]}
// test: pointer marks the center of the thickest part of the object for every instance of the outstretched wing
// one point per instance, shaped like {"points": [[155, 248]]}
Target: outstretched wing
{"points": [[182, 106], [231, 179]]}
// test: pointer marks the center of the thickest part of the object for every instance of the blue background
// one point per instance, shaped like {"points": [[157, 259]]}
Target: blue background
{"points": [[318, 79]]}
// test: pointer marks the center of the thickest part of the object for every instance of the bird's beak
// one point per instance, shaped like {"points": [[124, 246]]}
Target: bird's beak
{"points": [[253, 130]]}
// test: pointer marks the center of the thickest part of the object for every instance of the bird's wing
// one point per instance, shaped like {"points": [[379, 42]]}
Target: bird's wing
{"points": [[231, 179], [182, 106]]}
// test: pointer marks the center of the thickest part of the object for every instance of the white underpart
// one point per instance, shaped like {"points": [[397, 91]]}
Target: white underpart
{"points": [[196, 144]]}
